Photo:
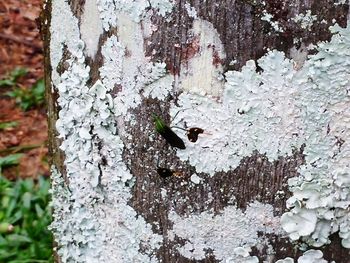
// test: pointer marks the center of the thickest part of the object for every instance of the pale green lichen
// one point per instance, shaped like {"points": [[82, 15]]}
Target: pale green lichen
{"points": [[278, 110], [256, 112], [132, 75], [310, 256], [91, 27], [136, 9], [306, 20], [323, 188], [272, 112], [274, 24], [94, 222], [230, 235]]}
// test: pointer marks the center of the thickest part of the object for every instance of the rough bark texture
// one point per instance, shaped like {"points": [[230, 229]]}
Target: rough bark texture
{"points": [[243, 33], [55, 155], [255, 179], [245, 36]]}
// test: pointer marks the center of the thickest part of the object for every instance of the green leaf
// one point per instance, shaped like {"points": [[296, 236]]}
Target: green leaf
{"points": [[15, 239], [8, 124], [5, 201], [12, 159], [27, 98], [3, 241], [18, 72], [12, 94], [27, 210], [27, 198], [39, 211], [6, 254], [39, 88], [11, 79], [2, 215], [7, 82], [28, 185], [16, 217], [10, 208]]}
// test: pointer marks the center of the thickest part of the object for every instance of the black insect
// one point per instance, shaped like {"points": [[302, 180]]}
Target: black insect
{"points": [[167, 133], [165, 172], [192, 133]]}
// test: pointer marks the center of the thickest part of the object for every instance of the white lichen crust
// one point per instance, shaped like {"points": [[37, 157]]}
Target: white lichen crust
{"points": [[127, 70], [256, 112], [92, 222], [230, 235], [272, 112], [309, 256], [323, 189], [306, 20], [136, 9], [274, 24]]}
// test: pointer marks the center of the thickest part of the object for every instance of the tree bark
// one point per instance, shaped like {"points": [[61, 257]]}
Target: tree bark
{"points": [[243, 71]]}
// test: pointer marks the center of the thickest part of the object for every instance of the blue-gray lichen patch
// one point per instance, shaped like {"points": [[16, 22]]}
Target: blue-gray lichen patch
{"points": [[93, 221], [224, 233], [275, 111], [322, 190], [256, 112]]}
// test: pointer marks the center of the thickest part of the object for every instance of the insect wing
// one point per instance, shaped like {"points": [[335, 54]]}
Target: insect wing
{"points": [[172, 138], [167, 133]]}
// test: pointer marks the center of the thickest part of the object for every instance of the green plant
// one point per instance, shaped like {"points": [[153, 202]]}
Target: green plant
{"points": [[8, 124], [11, 79], [24, 218], [28, 98], [9, 160]]}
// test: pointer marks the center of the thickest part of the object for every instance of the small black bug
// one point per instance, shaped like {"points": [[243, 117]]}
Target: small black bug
{"points": [[165, 172], [192, 133]]}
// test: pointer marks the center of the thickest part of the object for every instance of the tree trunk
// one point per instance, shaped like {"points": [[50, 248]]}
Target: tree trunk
{"points": [[199, 131]]}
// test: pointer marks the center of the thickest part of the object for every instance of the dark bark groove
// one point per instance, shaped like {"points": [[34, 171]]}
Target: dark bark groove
{"points": [[244, 35], [254, 179]]}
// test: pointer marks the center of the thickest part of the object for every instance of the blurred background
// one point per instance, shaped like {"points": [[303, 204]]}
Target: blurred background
{"points": [[24, 173]]}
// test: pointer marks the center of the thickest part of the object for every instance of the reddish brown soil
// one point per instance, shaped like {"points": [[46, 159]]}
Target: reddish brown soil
{"points": [[20, 46]]}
